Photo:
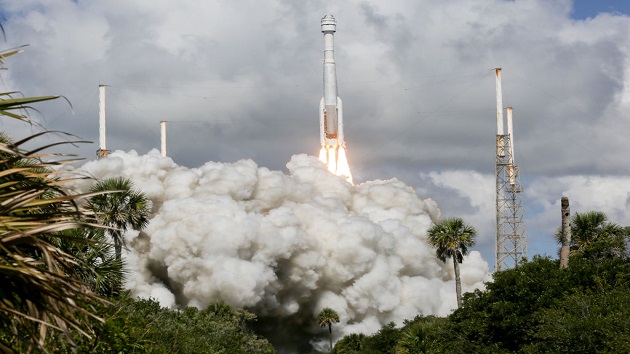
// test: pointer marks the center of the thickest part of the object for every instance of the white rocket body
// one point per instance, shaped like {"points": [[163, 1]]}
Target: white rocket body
{"points": [[330, 107]]}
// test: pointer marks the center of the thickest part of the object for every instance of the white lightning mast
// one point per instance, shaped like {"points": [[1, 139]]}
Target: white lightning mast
{"points": [[102, 131], [511, 152], [511, 242], [500, 133], [163, 137]]}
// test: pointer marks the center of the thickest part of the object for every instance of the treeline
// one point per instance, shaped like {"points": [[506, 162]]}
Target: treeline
{"points": [[534, 308], [143, 326]]}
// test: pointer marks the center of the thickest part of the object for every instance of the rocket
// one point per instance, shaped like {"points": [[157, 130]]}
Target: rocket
{"points": [[330, 106]]}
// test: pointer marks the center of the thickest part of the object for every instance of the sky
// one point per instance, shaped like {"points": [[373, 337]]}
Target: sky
{"points": [[243, 80], [583, 9]]}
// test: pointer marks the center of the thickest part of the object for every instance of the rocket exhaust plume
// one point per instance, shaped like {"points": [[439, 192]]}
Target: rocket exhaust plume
{"points": [[332, 152], [285, 245]]}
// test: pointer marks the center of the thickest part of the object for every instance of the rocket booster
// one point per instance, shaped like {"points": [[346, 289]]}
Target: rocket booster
{"points": [[333, 152], [330, 107]]}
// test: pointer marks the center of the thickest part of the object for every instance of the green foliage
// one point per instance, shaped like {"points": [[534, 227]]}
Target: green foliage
{"points": [[101, 271], [503, 313], [326, 318], [452, 238], [9, 104], [351, 344], [596, 238], [384, 341], [420, 335], [582, 323], [424, 335], [142, 326], [534, 308], [41, 291], [120, 210], [522, 307]]}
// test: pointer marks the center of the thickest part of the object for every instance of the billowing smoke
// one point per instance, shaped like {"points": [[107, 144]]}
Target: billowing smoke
{"points": [[284, 246]]}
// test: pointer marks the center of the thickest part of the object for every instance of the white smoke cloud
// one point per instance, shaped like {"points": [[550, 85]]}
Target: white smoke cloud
{"points": [[285, 246]]}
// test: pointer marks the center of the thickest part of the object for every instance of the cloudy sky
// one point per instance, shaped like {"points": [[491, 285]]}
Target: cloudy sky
{"points": [[243, 79]]}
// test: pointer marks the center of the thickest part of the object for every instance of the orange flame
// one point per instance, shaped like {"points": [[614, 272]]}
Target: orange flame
{"points": [[337, 162], [343, 168], [322, 155]]}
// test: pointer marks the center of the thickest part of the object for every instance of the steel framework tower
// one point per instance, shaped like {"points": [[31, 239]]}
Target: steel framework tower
{"points": [[511, 241]]}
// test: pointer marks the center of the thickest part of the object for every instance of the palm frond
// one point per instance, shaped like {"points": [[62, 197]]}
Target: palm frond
{"points": [[41, 287], [121, 208], [451, 238], [7, 105]]}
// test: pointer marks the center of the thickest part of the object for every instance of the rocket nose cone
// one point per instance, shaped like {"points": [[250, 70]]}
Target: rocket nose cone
{"points": [[329, 24]]}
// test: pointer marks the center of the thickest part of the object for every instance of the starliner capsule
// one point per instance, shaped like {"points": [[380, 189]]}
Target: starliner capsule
{"points": [[330, 108]]}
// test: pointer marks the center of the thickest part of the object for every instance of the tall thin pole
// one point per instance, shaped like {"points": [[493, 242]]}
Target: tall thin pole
{"points": [[510, 132], [511, 152], [163, 137], [102, 130], [566, 232], [499, 102], [500, 130]]}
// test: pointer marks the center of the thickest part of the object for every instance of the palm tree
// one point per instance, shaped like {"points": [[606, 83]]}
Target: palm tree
{"points": [[100, 270], [120, 210], [420, 337], [40, 291], [327, 317], [592, 233], [452, 237]]}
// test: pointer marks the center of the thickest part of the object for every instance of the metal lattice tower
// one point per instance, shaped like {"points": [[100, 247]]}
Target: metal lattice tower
{"points": [[511, 243]]}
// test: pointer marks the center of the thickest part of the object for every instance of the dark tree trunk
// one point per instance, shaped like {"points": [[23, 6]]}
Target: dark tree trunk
{"points": [[118, 248], [566, 232], [458, 282], [330, 335]]}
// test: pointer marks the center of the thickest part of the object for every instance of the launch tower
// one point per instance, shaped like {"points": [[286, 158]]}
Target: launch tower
{"points": [[511, 241]]}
